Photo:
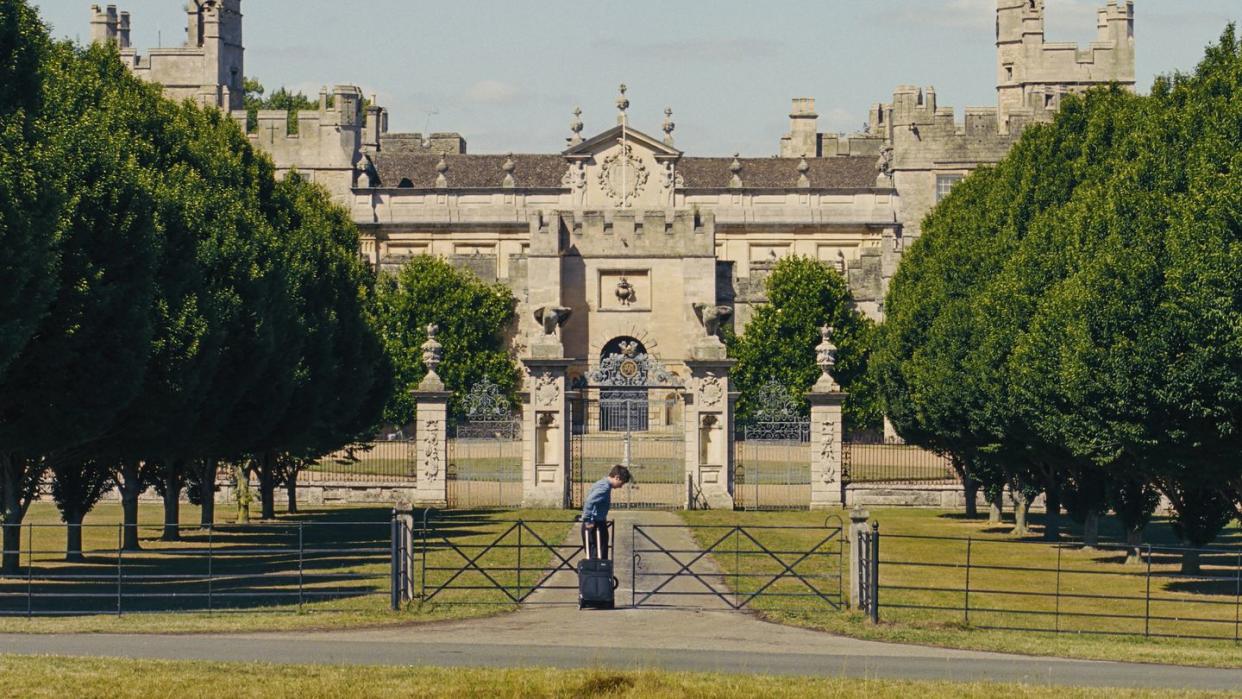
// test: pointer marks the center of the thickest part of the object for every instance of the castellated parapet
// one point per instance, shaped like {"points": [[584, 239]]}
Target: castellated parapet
{"points": [[208, 68], [329, 141], [1033, 73]]}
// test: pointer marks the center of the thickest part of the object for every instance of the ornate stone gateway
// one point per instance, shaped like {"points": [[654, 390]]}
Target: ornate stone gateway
{"points": [[630, 411], [774, 453], [485, 451]]}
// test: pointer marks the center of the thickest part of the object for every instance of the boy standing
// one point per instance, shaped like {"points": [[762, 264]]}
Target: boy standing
{"points": [[595, 510]]}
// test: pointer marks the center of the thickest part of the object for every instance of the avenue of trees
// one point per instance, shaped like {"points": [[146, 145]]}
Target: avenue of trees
{"points": [[1070, 321], [779, 342], [168, 305]]}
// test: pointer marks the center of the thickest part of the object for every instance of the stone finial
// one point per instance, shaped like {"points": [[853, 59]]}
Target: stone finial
{"points": [[575, 127], [623, 103], [803, 168], [441, 168], [826, 358], [668, 126], [736, 168], [508, 167], [433, 352]]}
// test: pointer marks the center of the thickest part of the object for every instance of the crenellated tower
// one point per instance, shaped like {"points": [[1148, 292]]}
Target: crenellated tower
{"points": [[1033, 74]]}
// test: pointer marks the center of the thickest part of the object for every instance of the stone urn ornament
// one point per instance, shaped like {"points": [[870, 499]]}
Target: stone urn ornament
{"points": [[826, 358]]}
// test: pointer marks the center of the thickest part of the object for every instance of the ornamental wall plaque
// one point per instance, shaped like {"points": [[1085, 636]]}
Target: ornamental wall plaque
{"points": [[622, 176]]}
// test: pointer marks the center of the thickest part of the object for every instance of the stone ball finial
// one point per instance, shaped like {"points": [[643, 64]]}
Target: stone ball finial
{"points": [[508, 165], [803, 165], [442, 166], [735, 166]]}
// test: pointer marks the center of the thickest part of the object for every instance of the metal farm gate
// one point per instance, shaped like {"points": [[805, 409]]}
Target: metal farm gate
{"points": [[485, 452], [773, 454], [630, 411]]}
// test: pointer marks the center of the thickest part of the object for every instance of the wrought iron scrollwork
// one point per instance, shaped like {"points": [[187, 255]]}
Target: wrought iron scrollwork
{"points": [[489, 414], [776, 416], [632, 370]]}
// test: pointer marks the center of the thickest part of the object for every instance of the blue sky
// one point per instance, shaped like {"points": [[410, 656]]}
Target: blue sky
{"points": [[508, 74]]}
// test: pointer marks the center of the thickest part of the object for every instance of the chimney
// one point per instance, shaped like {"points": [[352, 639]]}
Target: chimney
{"points": [[803, 128], [122, 30]]}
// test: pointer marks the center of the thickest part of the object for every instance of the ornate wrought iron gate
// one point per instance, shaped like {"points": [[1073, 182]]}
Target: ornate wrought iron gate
{"points": [[629, 411], [485, 452], [774, 454]]}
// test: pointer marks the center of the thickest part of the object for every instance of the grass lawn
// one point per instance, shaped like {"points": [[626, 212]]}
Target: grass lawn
{"points": [[1187, 606], [258, 578], [124, 679]]}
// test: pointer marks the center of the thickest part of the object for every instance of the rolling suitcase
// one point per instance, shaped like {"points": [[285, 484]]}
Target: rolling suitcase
{"points": [[596, 583]]}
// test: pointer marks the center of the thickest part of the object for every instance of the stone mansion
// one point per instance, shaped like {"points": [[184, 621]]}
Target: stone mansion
{"points": [[624, 203], [625, 253]]}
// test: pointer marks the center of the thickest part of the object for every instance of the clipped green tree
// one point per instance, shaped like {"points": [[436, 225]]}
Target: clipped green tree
{"points": [[472, 317], [779, 341]]}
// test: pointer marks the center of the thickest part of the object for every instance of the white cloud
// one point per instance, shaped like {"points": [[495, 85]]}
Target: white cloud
{"points": [[492, 92]]}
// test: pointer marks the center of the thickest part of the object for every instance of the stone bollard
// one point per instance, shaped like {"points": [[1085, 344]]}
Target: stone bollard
{"points": [[858, 525]]}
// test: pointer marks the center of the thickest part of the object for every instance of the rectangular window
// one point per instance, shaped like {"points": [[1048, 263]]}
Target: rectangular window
{"points": [[944, 184]]}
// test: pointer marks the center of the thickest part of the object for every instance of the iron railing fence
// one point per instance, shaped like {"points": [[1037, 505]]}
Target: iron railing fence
{"points": [[268, 567], [754, 566], [1110, 589], [468, 559], [393, 461], [886, 461]]}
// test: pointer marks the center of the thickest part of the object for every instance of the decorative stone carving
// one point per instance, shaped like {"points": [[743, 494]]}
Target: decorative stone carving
{"points": [[622, 175], [551, 318], [828, 451], [623, 103], [711, 389], [509, 166], [711, 316], [547, 390], [885, 163], [668, 126], [441, 169], [433, 351], [735, 167], [575, 127], [826, 356], [626, 294], [431, 450], [803, 168]]}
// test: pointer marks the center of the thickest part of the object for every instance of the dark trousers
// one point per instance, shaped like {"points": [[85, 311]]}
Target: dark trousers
{"points": [[595, 540]]}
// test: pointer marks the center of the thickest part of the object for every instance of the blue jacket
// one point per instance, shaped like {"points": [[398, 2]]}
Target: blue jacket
{"points": [[598, 500]]}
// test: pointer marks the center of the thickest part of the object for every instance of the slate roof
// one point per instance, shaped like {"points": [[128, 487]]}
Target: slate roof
{"points": [[546, 171], [779, 173], [469, 171]]}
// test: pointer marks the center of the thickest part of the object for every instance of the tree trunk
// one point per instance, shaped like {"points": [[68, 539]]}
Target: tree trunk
{"points": [[172, 502], [73, 537], [1091, 530], [267, 485], [1052, 510], [1190, 562], [291, 488], [970, 487], [12, 475], [130, 488], [207, 494], [1134, 540], [994, 512], [242, 477], [1021, 507]]}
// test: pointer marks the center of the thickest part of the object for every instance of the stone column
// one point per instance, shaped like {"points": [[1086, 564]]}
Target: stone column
{"points": [[709, 428], [431, 429], [826, 399], [545, 416]]}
